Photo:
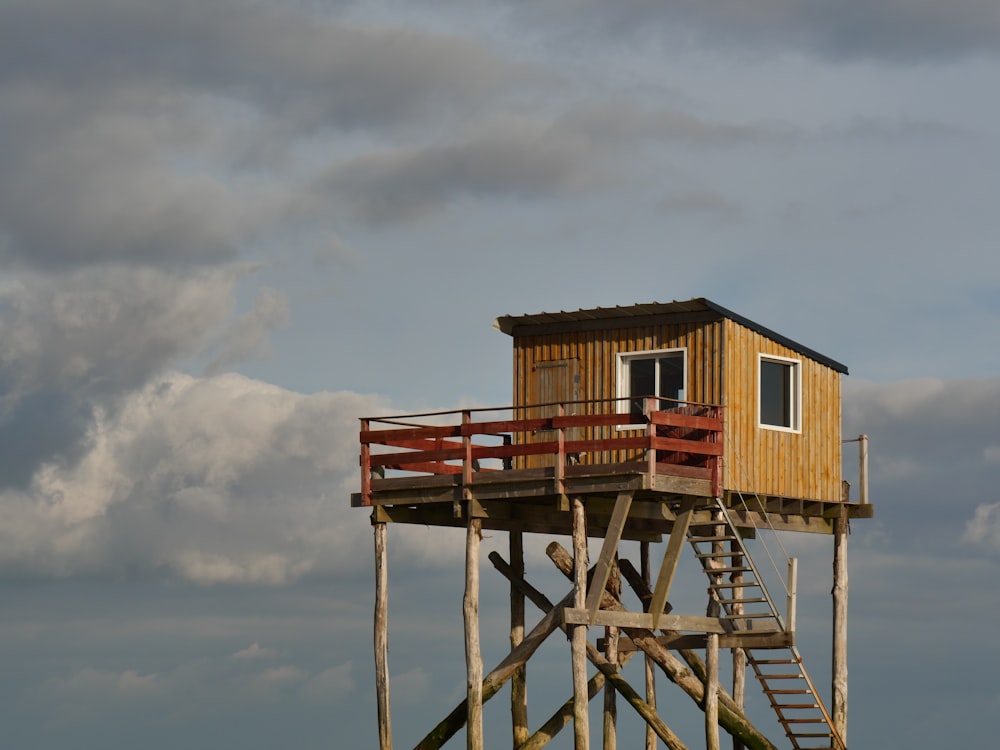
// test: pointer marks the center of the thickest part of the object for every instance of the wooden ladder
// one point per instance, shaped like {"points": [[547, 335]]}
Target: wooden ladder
{"points": [[742, 599]]}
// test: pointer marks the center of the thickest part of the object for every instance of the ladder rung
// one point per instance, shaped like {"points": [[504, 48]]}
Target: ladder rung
{"points": [[819, 720], [744, 601], [751, 615], [703, 555], [775, 661], [732, 570], [743, 585], [726, 538], [814, 735], [794, 676], [785, 706], [787, 692]]}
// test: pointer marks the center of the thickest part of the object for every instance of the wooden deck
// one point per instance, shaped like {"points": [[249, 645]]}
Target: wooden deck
{"points": [[420, 469]]}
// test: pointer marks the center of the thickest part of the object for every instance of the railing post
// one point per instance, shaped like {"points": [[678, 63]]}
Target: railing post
{"points": [[863, 468], [366, 467], [716, 461], [793, 582], [648, 407], [466, 454], [560, 467]]}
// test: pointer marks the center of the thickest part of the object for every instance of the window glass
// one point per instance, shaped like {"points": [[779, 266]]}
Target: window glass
{"points": [[671, 378], [779, 393], [641, 382], [659, 374]]}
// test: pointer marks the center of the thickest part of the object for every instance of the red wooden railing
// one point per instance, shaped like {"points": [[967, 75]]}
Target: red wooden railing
{"points": [[674, 438]]}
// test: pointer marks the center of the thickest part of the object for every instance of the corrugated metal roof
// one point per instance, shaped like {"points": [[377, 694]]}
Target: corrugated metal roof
{"points": [[513, 324]]}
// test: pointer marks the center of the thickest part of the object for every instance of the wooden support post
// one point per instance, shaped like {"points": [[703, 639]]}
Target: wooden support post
{"points": [[650, 672], [382, 638], [564, 714], [449, 725], [518, 683], [581, 724], [839, 702], [611, 654], [712, 692], [732, 719], [473, 657], [609, 671], [739, 655], [714, 608]]}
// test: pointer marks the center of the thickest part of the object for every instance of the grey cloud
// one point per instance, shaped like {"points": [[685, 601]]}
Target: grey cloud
{"points": [[520, 159], [929, 450], [102, 331], [85, 182], [622, 123], [215, 480], [309, 66], [405, 184], [151, 133], [74, 343], [248, 336], [210, 685], [895, 30]]}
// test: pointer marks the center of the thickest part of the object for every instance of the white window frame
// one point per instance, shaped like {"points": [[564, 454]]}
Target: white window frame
{"points": [[795, 371], [622, 379]]}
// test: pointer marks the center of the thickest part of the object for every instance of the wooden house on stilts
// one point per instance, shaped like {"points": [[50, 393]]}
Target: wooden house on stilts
{"points": [[682, 426]]}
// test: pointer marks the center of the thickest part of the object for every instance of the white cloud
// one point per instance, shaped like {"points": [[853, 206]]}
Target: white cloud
{"points": [[984, 527], [412, 687], [254, 651], [210, 480], [329, 685]]}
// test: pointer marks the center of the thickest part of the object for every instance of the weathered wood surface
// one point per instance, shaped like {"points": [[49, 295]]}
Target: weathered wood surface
{"points": [[496, 679], [609, 671], [839, 667], [564, 714], [613, 584], [519, 680], [473, 657], [649, 672], [731, 718], [739, 654], [625, 619], [712, 693], [578, 633], [382, 639], [609, 550], [671, 556]]}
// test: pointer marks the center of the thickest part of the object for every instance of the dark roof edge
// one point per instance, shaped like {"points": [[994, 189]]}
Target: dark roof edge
{"points": [[506, 324], [775, 336]]}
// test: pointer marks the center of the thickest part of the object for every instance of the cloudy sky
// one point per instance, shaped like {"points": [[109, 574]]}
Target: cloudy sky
{"points": [[228, 229]]}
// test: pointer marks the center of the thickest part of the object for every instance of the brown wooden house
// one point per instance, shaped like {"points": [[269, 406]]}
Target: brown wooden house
{"points": [[678, 424], [780, 401]]}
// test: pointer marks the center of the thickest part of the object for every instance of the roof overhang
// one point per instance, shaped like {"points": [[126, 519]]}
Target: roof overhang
{"points": [[692, 310]]}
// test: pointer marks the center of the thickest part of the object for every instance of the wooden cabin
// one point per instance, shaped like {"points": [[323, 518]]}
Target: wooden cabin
{"points": [[678, 423], [780, 400]]}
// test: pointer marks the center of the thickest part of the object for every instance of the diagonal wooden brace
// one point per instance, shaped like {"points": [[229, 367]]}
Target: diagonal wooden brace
{"points": [[678, 536], [606, 561]]}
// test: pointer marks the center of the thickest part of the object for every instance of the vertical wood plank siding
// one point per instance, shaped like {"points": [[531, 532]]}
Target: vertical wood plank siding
{"points": [[597, 352], [722, 369], [805, 464]]}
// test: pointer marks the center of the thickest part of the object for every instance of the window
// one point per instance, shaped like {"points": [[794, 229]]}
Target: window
{"points": [[657, 373], [779, 393]]}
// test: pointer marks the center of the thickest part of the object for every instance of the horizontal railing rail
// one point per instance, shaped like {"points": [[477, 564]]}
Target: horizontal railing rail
{"points": [[671, 433]]}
